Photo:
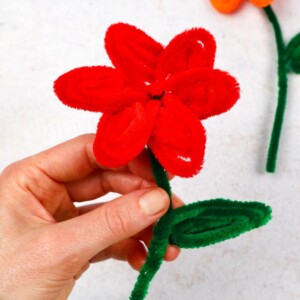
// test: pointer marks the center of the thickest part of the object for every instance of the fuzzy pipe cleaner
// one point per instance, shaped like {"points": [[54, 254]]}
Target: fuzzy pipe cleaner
{"points": [[195, 225], [288, 61]]}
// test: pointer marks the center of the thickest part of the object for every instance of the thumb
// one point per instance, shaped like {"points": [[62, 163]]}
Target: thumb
{"points": [[85, 236]]}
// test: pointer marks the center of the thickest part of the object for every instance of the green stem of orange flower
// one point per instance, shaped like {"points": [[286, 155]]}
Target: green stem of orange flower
{"points": [[282, 91]]}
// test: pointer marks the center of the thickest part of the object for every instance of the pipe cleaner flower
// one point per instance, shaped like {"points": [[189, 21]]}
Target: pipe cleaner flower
{"points": [[288, 61], [153, 96], [228, 6]]}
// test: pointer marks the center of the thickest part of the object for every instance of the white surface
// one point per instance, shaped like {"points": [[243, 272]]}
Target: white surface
{"points": [[42, 39]]}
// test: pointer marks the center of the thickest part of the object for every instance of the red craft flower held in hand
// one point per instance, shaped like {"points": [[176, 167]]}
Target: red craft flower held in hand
{"points": [[154, 96]]}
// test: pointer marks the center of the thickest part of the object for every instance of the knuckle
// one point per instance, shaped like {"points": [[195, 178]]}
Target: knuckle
{"points": [[21, 173], [72, 260], [18, 176], [28, 176], [10, 169], [117, 219]]}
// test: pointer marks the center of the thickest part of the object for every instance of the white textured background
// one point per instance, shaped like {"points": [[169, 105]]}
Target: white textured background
{"points": [[39, 40]]}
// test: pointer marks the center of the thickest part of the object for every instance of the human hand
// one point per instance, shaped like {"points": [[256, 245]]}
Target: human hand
{"points": [[46, 242]]}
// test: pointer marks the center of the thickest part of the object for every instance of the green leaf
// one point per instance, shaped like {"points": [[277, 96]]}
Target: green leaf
{"points": [[197, 225], [292, 54], [208, 222]]}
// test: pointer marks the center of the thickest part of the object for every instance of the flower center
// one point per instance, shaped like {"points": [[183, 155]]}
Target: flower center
{"points": [[156, 96], [156, 91]]}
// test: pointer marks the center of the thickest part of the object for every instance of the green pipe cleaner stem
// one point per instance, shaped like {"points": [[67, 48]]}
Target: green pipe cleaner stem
{"points": [[160, 241], [160, 176], [195, 225], [156, 252], [282, 92]]}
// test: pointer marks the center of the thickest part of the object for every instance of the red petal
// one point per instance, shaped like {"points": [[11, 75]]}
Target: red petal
{"points": [[206, 92], [191, 49], [122, 136], [98, 89], [178, 139], [133, 51]]}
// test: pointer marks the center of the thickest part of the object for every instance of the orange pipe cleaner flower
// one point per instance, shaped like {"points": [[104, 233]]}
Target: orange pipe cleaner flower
{"points": [[229, 6], [288, 61]]}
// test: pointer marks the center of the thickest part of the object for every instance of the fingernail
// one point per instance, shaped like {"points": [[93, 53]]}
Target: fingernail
{"points": [[154, 202]]}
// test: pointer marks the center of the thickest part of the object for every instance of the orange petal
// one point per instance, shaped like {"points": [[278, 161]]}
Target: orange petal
{"points": [[226, 6], [261, 3]]}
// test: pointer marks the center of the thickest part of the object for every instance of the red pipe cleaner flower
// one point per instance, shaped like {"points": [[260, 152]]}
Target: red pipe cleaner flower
{"points": [[154, 96]]}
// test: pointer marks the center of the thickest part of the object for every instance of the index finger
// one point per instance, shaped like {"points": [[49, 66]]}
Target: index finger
{"points": [[75, 159], [71, 160]]}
